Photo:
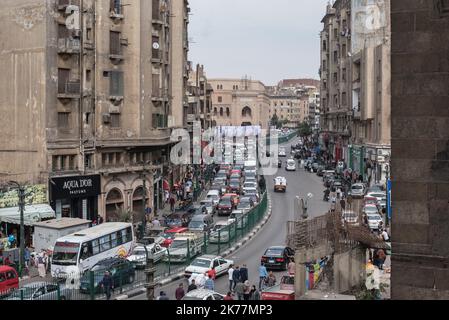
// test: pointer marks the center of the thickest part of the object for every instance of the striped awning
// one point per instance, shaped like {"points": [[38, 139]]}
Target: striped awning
{"points": [[31, 214]]}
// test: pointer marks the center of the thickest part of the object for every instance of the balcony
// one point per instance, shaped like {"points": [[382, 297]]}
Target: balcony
{"points": [[69, 46], [71, 90], [159, 95]]}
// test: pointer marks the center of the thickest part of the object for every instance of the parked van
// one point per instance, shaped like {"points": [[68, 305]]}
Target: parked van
{"points": [[9, 280], [201, 223]]}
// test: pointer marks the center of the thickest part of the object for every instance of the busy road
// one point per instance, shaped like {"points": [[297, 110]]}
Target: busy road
{"points": [[273, 233]]}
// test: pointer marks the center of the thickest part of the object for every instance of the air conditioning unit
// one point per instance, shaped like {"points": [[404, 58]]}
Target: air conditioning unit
{"points": [[106, 118]]}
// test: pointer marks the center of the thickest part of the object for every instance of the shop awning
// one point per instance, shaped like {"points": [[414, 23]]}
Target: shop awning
{"points": [[31, 215]]}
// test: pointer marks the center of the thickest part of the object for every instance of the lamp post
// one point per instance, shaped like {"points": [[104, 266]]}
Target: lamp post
{"points": [[149, 273], [21, 191]]}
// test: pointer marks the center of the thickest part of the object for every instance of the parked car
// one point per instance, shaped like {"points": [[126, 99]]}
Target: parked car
{"points": [[378, 195], [277, 257], [9, 280], [205, 263], [209, 205], [122, 272], [350, 218], [222, 232], [139, 256], [239, 217], [203, 223], [370, 209], [357, 190], [170, 234], [203, 294], [374, 219], [41, 291]]}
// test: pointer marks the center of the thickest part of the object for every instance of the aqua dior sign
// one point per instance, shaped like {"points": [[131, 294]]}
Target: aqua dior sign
{"points": [[75, 187]]}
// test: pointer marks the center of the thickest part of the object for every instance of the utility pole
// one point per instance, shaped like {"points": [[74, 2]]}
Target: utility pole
{"points": [[144, 205], [21, 192]]}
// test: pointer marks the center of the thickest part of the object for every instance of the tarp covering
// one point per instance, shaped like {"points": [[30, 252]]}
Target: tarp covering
{"points": [[31, 214]]}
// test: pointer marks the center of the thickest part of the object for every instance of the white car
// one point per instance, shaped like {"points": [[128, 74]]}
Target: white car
{"points": [[205, 263], [357, 190], [374, 219], [221, 231], [250, 190], [282, 152], [370, 209], [291, 165], [240, 217], [250, 184], [209, 205], [378, 195], [214, 195], [139, 257], [203, 294]]}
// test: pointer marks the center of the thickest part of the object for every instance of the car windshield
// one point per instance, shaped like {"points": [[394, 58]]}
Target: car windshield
{"points": [[225, 201], [377, 195], [139, 252], [203, 263], [357, 187], [99, 267], [196, 224], [65, 253], [274, 252], [374, 218]]}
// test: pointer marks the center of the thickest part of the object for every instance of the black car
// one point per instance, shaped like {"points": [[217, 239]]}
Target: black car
{"points": [[277, 257], [279, 163], [121, 270]]}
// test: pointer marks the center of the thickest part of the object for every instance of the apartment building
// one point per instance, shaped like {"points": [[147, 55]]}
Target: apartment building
{"points": [[88, 103], [336, 111], [200, 100], [370, 149], [290, 108], [240, 102]]}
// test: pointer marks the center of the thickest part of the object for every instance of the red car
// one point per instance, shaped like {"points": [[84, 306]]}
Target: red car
{"points": [[369, 200], [169, 235], [9, 280]]}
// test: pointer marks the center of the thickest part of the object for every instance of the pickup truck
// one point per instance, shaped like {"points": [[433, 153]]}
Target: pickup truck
{"points": [[283, 291]]}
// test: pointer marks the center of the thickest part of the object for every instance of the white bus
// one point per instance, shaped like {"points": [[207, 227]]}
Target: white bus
{"points": [[78, 252]]}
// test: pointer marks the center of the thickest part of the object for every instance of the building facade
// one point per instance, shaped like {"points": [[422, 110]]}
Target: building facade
{"points": [[290, 108], [240, 102], [335, 85], [200, 100], [420, 174], [93, 93]]}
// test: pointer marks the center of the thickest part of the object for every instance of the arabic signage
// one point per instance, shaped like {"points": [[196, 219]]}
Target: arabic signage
{"points": [[35, 194], [75, 187]]}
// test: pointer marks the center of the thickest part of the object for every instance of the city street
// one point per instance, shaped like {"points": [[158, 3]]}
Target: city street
{"points": [[274, 232]]}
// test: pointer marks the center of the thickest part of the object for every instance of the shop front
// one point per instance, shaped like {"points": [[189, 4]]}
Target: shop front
{"points": [[75, 197], [357, 159]]}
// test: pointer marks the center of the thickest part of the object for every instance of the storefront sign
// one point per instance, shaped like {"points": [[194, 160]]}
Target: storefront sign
{"points": [[75, 187]]}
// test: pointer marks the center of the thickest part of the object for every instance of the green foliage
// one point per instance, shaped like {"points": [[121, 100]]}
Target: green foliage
{"points": [[305, 129]]}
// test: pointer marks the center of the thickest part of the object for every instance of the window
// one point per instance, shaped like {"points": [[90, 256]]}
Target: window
{"points": [[89, 34], [63, 120], [114, 240], [119, 238], [343, 98], [324, 45], [116, 6], [86, 251], [215, 111], [95, 247], [343, 74], [105, 243], [115, 120], [343, 50], [72, 165], [88, 161], [63, 79], [88, 75], [228, 112], [220, 99], [335, 56], [63, 31], [221, 112], [114, 44], [116, 86]]}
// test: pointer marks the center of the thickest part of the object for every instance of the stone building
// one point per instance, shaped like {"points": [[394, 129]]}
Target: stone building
{"points": [[420, 149], [240, 102], [200, 100], [290, 107], [335, 79], [89, 99]]}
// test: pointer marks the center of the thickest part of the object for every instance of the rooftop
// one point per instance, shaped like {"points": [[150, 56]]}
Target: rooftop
{"points": [[62, 223]]}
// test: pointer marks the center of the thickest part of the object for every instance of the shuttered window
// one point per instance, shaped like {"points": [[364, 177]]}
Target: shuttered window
{"points": [[115, 46], [115, 120], [63, 120], [116, 84]]}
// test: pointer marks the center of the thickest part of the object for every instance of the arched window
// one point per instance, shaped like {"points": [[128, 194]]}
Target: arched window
{"points": [[221, 112], [247, 112], [228, 112], [215, 111]]}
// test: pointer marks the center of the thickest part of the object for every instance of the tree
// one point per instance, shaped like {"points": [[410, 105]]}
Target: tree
{"points": [[305, 129], [275, 120]]}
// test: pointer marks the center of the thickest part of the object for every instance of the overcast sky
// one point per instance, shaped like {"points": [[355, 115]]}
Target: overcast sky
{"points": [[268, 40]]}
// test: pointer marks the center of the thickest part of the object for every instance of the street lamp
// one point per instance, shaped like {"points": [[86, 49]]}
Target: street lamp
{"points": [[144, 198], [21, 191]]}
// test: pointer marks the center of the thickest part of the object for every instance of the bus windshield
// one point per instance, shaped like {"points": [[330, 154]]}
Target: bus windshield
{"points": [[66, 253]]}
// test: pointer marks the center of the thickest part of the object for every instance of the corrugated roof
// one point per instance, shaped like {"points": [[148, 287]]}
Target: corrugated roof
{"points": [[62, 223]]}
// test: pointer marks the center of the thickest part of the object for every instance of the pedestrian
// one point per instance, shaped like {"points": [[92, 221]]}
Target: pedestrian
{"points": [[239, 290], [385, 235], [263, 274], [230, 277], [162, 296], [212, 273], [333, 204], [41, 265], [209, 284], [228, 296], [271, 280], [244, 273], [254, 294], [172, 204], [192, 286], [246, 290], [156, 222], [107, 284], [27, 256], [349, 201], [343, 204], [179, 294], [291, 267], [338, 191], [236, 276]]}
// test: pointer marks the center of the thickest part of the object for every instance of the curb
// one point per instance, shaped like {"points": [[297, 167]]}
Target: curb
{"points": [[224, 254]]}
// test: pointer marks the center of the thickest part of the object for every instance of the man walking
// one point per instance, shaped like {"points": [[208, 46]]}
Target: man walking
{"points": [[244, 273], [209, 284], [343, 204], [192, 286], [172, 204], [107, 284], [236, 276], [262, 275], [230, 277], [179, 294]]}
